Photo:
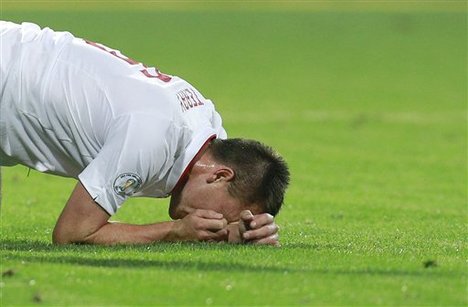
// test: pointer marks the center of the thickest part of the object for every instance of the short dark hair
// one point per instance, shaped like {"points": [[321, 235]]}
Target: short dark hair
{"points": [[261, 174]]}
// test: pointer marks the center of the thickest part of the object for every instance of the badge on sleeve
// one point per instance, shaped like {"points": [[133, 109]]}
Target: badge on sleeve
{"points": [[127, 184]]}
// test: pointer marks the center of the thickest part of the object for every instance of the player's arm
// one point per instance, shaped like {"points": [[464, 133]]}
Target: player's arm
{"points": [[84, 221], [256, 229]]}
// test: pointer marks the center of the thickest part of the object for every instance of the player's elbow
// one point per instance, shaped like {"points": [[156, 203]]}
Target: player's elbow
{"points": [[58, 240], [63, 235], [74, 234], [60, 236]]}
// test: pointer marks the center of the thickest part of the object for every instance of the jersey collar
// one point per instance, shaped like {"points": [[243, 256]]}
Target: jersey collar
{"points": [[183, 164]]}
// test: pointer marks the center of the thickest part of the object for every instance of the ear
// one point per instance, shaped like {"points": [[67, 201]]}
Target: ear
{"points": [[221, 174]]}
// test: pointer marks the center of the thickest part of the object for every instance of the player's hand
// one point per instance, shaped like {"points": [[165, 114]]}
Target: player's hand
{"points": [[201, 225], [258, 229]]}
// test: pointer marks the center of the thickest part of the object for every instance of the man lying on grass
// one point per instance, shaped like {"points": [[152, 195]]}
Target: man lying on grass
{"points": [[79, 109]]}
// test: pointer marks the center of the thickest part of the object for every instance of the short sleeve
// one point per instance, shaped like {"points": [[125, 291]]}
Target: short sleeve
{"points": [[135, 158]]}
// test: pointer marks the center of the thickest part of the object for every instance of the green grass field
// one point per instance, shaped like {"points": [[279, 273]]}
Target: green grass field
{"points": [[367, 101]]}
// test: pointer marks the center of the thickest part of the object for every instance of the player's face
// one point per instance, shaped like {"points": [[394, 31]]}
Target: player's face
{"points": [[206, 188]]}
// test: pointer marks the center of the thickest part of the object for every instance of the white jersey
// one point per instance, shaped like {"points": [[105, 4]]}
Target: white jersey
{"points": [[80, 109]]}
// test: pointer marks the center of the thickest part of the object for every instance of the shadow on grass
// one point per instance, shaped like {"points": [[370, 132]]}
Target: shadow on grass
{"points": [[40, 252], [172, 265], [40, 246], [92, 255], [59, 255]]}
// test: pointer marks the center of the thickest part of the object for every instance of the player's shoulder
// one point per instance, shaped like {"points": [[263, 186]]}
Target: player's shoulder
{"points": [[143, 131]]}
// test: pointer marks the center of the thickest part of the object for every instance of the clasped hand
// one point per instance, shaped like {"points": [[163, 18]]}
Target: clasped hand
{"points": [[208, 225]]}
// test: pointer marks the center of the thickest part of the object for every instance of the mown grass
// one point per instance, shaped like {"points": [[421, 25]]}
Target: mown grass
{"points": [[367, 106]]}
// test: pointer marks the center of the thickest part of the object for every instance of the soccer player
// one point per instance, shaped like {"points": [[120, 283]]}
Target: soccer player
{"points": [[79, 109]]}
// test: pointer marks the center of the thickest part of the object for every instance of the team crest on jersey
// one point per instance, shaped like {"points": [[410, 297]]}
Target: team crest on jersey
{"points": [[127, 184]]}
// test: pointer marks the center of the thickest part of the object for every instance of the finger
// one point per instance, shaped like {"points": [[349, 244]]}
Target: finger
{"points": [[261, 220], [234, 234], [271, 240], [261, 233], [187, 210], [208, 214], [211, 224], [245, 219], [206, 235], [222, 235], [246, 216]]}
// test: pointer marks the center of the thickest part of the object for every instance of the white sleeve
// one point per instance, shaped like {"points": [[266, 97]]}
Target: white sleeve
{"points": [[136, 155], [217, 122]]}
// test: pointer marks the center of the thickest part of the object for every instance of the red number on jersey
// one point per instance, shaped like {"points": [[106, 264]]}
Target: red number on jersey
{"points": [[148, 72]]}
